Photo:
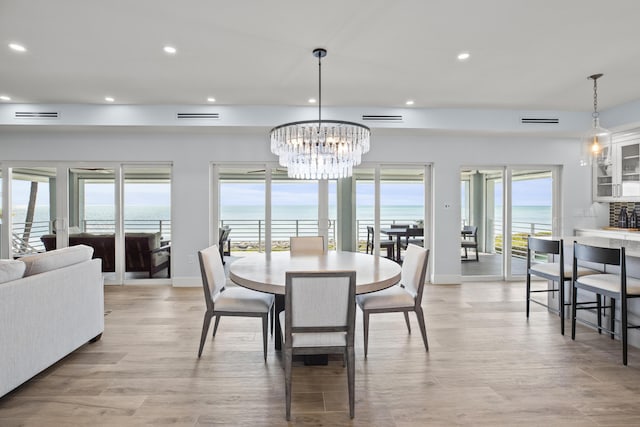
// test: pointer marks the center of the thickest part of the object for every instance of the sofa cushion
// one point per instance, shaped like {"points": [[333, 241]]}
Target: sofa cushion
{"points": [[59, 258], [11, 270]]}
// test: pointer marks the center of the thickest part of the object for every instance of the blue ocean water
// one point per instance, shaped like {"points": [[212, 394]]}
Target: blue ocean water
{"points": [[536, 214]]}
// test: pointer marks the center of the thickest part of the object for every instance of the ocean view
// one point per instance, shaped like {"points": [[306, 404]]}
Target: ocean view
{"points": [[521, 214]]}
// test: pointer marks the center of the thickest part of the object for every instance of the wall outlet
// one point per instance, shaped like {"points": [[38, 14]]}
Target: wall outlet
{"points": [[191, 259]]}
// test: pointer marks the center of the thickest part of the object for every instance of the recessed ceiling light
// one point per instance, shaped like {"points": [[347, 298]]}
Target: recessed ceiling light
{"points": [[463, 56], [5, 98], [409, 102], [211, 99], [109, 98], [312, 101], [170, 50], [17, 47]]}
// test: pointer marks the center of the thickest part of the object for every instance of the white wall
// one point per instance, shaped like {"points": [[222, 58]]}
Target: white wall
{"points": [[191, 150]]}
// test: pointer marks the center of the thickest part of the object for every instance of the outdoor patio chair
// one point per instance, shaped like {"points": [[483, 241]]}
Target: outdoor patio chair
{"points": [[469, 241], [388, 245]]}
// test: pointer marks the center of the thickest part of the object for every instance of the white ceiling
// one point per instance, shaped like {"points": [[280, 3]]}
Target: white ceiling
{"points": [[525, 54]]}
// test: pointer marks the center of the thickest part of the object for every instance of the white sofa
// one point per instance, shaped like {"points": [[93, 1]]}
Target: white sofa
{"points": [[50, 304]]}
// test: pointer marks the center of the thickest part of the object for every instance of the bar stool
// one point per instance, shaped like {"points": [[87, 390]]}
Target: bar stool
{"points": [[555, 271], [615, 286]]}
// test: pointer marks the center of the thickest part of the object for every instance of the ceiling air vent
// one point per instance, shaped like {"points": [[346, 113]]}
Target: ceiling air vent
{"points": [[539, 121], [36, 115], [374, 118], [206, 116]]}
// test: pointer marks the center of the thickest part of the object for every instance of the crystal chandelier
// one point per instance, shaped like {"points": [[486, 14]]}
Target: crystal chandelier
{"points": [[320, 149], [597, 136]]}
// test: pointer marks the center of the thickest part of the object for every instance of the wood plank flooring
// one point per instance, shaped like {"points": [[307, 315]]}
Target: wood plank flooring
{"points": [[487, 365]]}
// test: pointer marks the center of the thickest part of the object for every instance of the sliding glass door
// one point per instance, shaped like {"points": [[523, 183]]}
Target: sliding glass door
{"points": [[262, 208], [504, 201], [531, 211]]}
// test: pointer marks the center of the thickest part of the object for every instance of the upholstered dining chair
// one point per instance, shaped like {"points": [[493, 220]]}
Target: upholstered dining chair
{"points": [[306, 245], [554, 270], [319, 318], [228, 301], [614, 284], [403, 297]]}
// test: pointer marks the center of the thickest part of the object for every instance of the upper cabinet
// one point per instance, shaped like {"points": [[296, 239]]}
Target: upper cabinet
{"points": [[616, 171]]}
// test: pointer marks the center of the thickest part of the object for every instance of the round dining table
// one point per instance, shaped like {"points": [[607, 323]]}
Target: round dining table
{"points": [[266, 273]]}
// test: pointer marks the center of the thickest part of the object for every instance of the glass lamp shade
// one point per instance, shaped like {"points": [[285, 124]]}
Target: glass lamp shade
{"points": [[597, 145], [320, 150]]}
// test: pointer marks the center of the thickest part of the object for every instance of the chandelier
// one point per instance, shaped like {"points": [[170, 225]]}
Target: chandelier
{"points": [[597, 135], [320, 149]]}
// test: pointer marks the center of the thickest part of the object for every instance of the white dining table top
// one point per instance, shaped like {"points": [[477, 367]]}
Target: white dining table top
{"points": [[267, 274]]}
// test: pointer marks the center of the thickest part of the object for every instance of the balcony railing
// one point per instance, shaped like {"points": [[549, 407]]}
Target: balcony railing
{"points": [[519, 233], [249, 234]]}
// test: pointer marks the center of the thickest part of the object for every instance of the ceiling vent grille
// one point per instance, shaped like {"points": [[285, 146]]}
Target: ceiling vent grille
{"points": [[206, 116], [539, 121], [376, 118], [36, 115]]}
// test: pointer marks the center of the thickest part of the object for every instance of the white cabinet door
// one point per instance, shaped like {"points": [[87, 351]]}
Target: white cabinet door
{"points": [[629, 170], [605, 184], [616, 174]]}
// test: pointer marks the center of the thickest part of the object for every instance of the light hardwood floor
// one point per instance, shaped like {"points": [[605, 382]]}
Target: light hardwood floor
{"points": [[487, 365]]}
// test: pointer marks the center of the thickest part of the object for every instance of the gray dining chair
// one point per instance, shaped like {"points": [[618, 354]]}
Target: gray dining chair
{"points": [[404, 297], [228, 301], [306, 245], [319, 318]]}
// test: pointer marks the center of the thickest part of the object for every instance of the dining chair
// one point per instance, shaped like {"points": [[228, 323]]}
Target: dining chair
{"points": [[554, 270], [228, 301], [469, 241], [404, 297], [388, 245], [319, 318], [306, 245], [615, 285]]}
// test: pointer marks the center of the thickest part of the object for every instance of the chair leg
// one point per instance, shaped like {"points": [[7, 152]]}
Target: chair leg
{"points": [[423, 327], [215, 325], [623, 328], [599, 309], [365, 326], [273, 315], [528, 292], [612, 313], [406, 319], [265, 332], [351, 376], [574, 302], [477, 254], [561, 307], [287, 380], [205, 330]]}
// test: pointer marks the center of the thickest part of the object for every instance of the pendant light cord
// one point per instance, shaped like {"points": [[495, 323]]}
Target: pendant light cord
{"points": [[319, 92]]}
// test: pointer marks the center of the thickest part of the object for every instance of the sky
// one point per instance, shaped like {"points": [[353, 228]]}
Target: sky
{"points": [[525, 193]]}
